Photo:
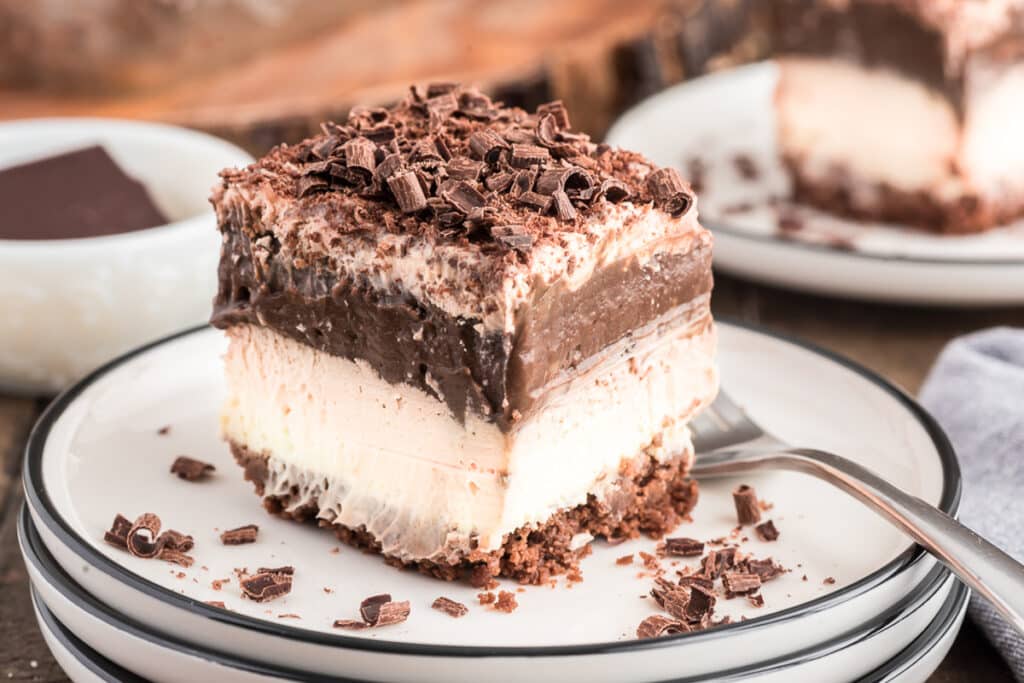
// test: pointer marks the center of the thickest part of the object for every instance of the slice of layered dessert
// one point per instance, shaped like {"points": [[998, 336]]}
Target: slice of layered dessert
{"points": [[464, 336], [904, 110]]}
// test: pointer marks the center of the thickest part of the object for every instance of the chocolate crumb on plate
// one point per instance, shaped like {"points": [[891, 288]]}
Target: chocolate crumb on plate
{"points": [[288, 615], [829, 581], [486, 598], [191, 469], [683, 547], [506, 602], [747, 509], [286, 569], [175, 557], [450, 607], [164, 431], [265, 586], [766, 531], [118, 534], [746, 167], [215, 603], [740, 583], [240, 535], [625, 559], [392, 613], [351, 624], [657, 625], [369, 609], [755, 600]]}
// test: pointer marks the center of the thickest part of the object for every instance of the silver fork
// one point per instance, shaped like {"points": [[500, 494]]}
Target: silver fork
{"points": [[728, 442]]}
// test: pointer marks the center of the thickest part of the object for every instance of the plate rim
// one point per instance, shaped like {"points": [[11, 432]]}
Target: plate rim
{"points": [[39, 501], [36, 554], [715, 224]]}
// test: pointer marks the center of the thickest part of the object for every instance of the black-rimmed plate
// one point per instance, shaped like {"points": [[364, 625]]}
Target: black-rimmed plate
{"points": [[97, 452], [725, 124]]}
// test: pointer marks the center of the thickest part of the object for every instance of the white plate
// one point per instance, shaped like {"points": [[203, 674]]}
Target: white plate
{"points": [[716, 118], [96, 452], [64, 608]]}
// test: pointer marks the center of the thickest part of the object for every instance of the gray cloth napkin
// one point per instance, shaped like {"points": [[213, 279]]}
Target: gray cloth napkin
{"points": [[976, 392]]}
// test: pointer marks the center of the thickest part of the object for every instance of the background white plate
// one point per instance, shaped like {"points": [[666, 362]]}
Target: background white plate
{"points": [[718, 117], [97, 452], [935, 613]]}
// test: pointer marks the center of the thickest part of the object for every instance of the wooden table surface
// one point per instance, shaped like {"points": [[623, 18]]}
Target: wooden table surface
{"points": [[898, 342]]}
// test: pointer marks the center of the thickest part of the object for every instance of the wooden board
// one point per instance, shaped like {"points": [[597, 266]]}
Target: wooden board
{"points": [[597, 55]]}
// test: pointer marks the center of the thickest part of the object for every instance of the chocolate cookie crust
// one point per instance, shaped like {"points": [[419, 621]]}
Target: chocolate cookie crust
{"points": [[652, 497]]}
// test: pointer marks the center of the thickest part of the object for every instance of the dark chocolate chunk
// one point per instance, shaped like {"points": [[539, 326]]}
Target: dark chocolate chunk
{"points": [[360, 155], [191, 469], [524, 156], [487, 145], [670, 191], [407, 191], [369, 609], [450, 607], [739, 583], [118, 534], [657, 625], [240, 535], [463, 196], [563, 207], [747, 509], [766, 531], [142, 540], [683, 547], [266, 586]]}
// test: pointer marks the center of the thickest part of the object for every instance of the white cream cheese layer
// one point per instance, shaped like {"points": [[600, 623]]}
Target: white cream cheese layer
{"points": [[392, 459]]}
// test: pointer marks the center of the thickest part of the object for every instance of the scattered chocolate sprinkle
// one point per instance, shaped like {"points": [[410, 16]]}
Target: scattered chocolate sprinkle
{"points": [[766, 531], [738, 583], [288, 615], [266, 586], [369, 609], [670, 191], [328, 590], [215, 603], [164, 431], [408, 192], [657, 625], [118, 534], [217, 584], [450, 607], [650, 561], [625, 559], [350, 624], [486, 598], [683, 547], [191, 469], [240, 535], [747, 509], [829, 581]]}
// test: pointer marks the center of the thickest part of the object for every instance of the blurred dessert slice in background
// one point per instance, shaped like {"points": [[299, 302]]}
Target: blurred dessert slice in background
{"points": [[907, 111]]}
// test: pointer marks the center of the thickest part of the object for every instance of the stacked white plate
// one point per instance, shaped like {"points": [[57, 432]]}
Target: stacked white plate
{"points": [[860, 602]]}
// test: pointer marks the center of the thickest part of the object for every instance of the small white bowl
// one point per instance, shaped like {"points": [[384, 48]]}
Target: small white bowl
{"points": [[66, 306]]}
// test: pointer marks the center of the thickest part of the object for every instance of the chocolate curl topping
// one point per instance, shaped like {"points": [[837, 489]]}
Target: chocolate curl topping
{"points": [[143, 536], [670, 191], [359, 155], [408, 192]]}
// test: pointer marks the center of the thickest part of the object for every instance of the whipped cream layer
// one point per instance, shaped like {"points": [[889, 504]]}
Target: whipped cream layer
{"points": [[868, 128], [392, 458]]}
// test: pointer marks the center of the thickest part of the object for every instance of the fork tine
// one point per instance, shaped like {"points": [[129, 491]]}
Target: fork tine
{"points": [[721, 424]]}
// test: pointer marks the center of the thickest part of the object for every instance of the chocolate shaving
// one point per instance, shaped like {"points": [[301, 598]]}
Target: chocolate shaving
{"points": [[463, 196], [266, 586], [499, 182], [392, 613], [240, 535], [287, 570], [369, 609], [350, 624], [558, 111], [407, 191], [683, 547], [175, 540], [391, 165], [307, 185], [523, 182], [534, 200], [143, 536], [766, 531], [563, 207], [487, 145], [747, 509], [450, 607], [513, 236], [118, 534], [441, 106], [462, 168], [625, 559], [525, 156], [360, 155], [191, 469], [670, 191], [671, 598], [657, 625], [175, 557], [738, 583], [614, 191]]}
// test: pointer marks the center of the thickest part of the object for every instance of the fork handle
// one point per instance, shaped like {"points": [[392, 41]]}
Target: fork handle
{"points": [[986, 569]]}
